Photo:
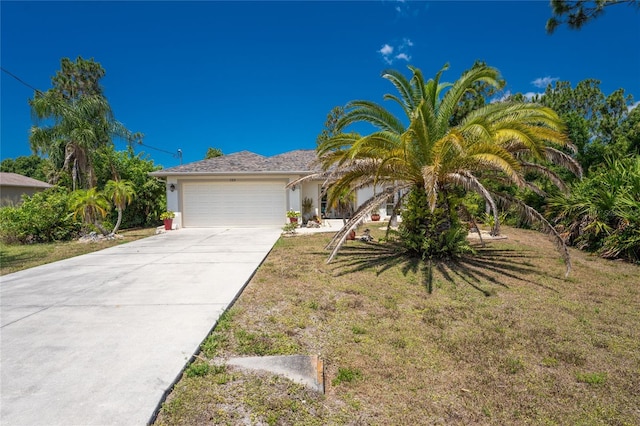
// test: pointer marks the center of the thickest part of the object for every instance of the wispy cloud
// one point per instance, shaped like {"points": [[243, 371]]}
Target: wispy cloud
{"points": [[543, 82], [400, 51], [409, 9]]}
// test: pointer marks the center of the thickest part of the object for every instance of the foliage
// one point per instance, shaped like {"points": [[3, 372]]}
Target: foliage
{"points": [[602, 213], [330, 124], [42, 217], [150, 199], [90, 205], [576, 13], [213, 152], [31, 166], [75, 121], [121, 193], [598, 125], [346, 375], [290, 228], [430, 234], [167, 215], [437, 154], [293, 213]]}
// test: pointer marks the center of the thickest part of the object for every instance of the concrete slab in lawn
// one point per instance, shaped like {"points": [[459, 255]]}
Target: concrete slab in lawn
{"points": [[98, 339]]}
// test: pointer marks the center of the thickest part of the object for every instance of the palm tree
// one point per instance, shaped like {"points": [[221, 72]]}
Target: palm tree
{"points": [[121, 192], [435, 156], [90, 205], [72, 131]]}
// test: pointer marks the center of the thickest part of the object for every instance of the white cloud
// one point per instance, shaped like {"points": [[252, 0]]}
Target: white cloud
{"points": [[406, 43], [402, 49], [386, 50], [632, 107], [543, 82], [409, 9]]}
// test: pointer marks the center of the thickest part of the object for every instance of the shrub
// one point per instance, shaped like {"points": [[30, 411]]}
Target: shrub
{"points": [[43, 217]]}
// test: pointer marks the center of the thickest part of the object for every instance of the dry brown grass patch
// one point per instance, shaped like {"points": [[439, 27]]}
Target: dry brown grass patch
{"points": [[504, 338]]}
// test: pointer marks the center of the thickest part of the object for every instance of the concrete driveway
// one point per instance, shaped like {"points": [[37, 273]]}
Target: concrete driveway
{"points": [[98, 339]]}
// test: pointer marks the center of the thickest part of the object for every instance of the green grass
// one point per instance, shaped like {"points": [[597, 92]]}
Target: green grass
{"points": [[16, 257], [503, 339]]}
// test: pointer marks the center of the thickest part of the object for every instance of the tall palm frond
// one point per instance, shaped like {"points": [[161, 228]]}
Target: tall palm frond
{"points": [[430, 154]]}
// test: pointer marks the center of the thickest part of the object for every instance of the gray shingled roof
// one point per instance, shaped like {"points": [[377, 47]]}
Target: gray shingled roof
{"points": [[299, 161], [14, 179]]}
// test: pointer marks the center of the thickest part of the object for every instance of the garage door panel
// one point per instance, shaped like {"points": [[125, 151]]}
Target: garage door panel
{"points": [[255, 203]]}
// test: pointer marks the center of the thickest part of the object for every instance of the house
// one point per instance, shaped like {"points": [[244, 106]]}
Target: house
{"points": [[245, 189], [13, 186]]}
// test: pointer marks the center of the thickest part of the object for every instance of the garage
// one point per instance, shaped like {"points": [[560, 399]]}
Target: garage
{"points": [[233, 203]]}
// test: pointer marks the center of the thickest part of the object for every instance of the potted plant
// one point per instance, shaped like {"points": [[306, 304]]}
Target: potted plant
{"points": [[167, 218], [293, 216]]}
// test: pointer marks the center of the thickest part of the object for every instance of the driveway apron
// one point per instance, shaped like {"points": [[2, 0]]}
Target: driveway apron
{"points": [[98, 339]]}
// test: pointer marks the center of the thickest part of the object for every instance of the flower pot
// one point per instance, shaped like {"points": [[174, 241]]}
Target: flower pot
{"points": [[375, 217], [168, 223], [351, 235], [293, 219]]}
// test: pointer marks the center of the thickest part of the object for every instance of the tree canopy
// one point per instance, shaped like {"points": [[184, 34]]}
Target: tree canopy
{"points": [[212, 153], [577, 13], [75, 121]]}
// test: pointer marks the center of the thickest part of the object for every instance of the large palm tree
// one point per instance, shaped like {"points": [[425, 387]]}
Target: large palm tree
{"points": [[434, 155], [72, 131], [121, 192]]}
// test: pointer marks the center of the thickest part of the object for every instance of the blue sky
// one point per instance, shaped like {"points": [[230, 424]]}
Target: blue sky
{"points": [[262, 76]]}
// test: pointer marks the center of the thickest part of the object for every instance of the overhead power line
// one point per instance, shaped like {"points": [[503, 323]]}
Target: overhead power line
{"points": [[21, 81]]}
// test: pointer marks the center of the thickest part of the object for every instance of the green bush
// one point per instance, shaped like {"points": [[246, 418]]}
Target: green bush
{"points": [[438, 234], [602, 213], [43, 217]]}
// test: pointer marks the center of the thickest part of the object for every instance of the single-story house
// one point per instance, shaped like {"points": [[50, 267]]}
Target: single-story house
{"points": [[246, 189], [13, 186]]}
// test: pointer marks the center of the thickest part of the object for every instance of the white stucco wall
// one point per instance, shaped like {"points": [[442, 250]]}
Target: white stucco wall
{"points": [[364, 194], [172, 197]]}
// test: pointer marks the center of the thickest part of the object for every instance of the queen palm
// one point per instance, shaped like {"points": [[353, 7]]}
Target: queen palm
{"points": [[121, 193], [434, 156]]}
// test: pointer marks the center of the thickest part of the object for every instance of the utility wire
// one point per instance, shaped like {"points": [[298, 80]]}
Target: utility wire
{"points": [[20, 80], [175, 155]]}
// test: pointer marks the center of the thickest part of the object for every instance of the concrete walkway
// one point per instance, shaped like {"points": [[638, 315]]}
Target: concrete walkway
{"points": [[98, 339]]}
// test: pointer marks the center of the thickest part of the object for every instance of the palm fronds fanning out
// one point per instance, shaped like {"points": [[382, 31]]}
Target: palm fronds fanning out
{"points": [[532, 216], [430, 153]]}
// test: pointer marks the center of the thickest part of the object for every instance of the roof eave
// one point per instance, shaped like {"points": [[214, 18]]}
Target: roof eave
{"points": [[282, 172]]}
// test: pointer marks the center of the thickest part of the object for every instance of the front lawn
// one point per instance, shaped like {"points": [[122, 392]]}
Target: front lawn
{"points": [[16, 257], [503, 339]]}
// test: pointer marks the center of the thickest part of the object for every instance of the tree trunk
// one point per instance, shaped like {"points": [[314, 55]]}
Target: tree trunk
{"points": [[101, 228], [118, 222]]}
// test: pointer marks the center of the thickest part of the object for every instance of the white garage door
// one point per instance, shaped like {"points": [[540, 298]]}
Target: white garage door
{"points": [[233, 203]]}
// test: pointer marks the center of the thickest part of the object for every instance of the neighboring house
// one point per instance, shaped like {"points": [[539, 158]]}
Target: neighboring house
{"points": [[244, 189], [13, 186]]}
